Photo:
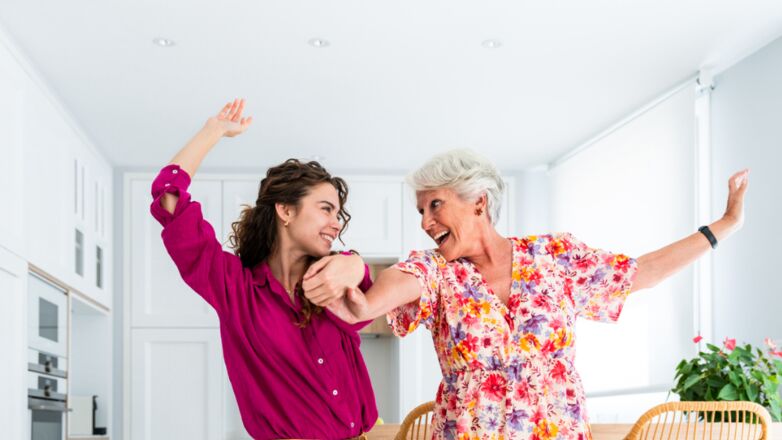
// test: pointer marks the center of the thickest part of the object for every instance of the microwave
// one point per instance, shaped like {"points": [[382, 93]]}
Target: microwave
{"points": [[47, 316]]}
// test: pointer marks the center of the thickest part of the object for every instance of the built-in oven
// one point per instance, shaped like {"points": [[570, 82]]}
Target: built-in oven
{"points": [[47, 366], [47, 316], [47, 390]]}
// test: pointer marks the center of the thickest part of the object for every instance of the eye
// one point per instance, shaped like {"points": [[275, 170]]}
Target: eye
{"points": [[436, 203], [328, 209]]}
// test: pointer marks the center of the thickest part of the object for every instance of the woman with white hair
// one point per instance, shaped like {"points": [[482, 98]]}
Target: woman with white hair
{"points": [[502, 311]]}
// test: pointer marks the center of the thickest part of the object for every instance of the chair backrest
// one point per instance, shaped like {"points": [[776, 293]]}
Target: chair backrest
{"points": [[703, 420], [417, 424]]}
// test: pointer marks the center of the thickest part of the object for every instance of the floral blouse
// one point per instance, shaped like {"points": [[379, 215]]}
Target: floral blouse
{"points": [[508, 371]]}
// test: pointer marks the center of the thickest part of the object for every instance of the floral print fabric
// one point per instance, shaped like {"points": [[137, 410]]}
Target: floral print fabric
{"points": [[508, 369]]}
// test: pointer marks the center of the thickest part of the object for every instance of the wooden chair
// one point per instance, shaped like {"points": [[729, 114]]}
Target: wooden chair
{"points": [[703, 420], [417, 424]]}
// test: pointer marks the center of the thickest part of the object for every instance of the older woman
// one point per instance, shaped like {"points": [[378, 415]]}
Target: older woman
{"points": [[502, 311]]}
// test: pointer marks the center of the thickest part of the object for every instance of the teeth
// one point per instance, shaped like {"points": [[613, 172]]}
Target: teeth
{"points": [[327, 237], [440, 235]]}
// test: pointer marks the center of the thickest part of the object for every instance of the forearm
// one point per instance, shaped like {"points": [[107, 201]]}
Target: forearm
{"points": [[190, 156], [662, 263], [393, 288]]}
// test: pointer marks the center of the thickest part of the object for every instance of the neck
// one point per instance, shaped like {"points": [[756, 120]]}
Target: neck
{"points": [[288, 265], [491, 249]]}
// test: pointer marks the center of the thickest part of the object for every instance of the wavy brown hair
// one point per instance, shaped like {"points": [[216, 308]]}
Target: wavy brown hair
{"points": [[254, 235]]}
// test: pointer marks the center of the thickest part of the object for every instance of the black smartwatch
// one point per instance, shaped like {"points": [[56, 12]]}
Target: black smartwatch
{"points": [[709, 236]]}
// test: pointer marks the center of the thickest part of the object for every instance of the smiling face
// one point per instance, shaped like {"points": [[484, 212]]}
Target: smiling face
{"points": [[451, 222], [313, 223]]}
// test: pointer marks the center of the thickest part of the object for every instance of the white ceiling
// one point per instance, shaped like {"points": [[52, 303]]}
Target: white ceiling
{"points": [[400, 80]]}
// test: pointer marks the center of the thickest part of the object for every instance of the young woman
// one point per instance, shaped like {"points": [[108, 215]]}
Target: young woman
{"points": [[295, 368]]}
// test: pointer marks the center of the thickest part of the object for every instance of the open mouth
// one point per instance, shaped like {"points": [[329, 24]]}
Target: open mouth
{"points": [[441, 237], [328, 238]]}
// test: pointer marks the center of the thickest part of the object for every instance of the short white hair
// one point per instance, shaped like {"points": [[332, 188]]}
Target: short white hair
{"points": [[468, 174]]}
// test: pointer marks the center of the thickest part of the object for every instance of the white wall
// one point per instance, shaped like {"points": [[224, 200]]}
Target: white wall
{"points": [[746, 131]]}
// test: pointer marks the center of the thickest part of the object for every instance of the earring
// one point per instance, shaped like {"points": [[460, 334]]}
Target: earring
{"points": [[478, 211], [286, 223]]}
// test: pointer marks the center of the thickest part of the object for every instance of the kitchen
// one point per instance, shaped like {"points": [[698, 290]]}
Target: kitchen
{"points": [[583, 108]]}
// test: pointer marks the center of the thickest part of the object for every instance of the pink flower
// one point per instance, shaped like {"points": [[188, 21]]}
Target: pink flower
{"points": [[730, 344], [697, 339], [777, 353], [770, 343]]}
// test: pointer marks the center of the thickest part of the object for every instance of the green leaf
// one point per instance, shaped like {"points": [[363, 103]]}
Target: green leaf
{"points": [[734, 378], [692, 380], [752, 392], [728, 392], [712, 347]]}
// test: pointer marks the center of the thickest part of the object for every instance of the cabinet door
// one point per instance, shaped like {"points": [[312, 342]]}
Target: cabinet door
{"points": [[375, 229], [175, 384], [11, 180], [13, 346], [159, 297], [49, 232]]}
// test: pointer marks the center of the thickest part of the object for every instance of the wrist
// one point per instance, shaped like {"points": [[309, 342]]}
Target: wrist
{"points": [[214, 127]]}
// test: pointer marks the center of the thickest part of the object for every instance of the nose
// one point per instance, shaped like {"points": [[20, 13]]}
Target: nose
{"points": [[427, 221], [336, 224]]}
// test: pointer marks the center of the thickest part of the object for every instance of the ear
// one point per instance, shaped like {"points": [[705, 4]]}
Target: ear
{"points": [[284, 212], [481, 203]]}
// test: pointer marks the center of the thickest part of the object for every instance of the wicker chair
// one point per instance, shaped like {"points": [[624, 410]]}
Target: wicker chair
{"points": [[417, 424], [703, 420]]}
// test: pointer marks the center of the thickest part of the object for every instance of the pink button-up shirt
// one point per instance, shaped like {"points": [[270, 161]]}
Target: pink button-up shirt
{"points": [[289, 382]]}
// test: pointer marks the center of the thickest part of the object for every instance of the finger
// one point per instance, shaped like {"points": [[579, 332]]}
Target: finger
{"points": [[316, 267], [248, 121], [239, 110], [234, 106], [224, 112]]}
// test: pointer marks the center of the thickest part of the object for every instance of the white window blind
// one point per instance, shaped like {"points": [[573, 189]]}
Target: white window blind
{"points": [[633, 192]]}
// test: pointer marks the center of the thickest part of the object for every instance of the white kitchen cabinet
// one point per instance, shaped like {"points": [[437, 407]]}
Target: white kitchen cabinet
{"points": [[13, 346], [91, 186], [176, 384], [158, 295], [48, 224], [11, 166], [375, 204]]}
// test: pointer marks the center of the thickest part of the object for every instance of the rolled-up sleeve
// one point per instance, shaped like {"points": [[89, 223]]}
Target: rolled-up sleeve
{"points": [[191, 241]]}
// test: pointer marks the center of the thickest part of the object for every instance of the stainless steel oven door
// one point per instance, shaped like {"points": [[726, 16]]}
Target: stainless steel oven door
{"points": [[47, 419]]}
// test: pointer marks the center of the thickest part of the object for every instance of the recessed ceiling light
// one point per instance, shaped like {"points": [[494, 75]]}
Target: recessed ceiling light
{"points": [[491, 44], [318, 42], [163, 42]]}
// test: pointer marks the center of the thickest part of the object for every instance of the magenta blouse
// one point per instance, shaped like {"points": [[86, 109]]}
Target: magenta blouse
{"points": [[289, 382]]}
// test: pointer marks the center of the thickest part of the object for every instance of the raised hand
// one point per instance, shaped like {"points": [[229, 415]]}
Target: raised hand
{"points": [[230, 119], [737, 187]]}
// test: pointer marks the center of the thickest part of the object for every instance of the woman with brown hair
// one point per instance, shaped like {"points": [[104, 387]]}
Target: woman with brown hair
{"points": [[295, 368]]}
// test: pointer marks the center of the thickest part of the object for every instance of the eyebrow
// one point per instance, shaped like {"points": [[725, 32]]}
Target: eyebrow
{"points": [[328, 203]]}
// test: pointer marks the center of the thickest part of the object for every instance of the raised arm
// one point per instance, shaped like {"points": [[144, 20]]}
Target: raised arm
{"points": [[662, 263], [229, 123]]}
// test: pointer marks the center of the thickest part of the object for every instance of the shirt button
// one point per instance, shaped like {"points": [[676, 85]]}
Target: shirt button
{"points": [[320, 361], [352, 424], [334, 392], [174, 171], [167, 184]]}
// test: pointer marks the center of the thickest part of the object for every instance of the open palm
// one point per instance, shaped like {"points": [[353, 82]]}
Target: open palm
{"points": [[230, 119]]}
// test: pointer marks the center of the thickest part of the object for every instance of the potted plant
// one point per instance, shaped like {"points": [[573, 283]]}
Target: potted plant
{"points": [[733, 373]]}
